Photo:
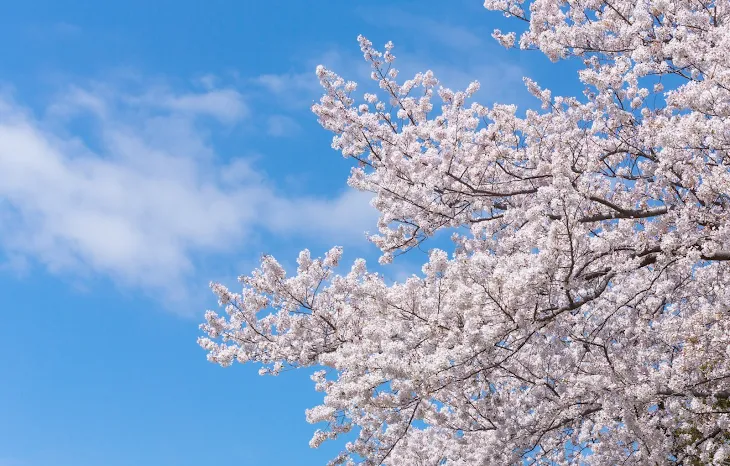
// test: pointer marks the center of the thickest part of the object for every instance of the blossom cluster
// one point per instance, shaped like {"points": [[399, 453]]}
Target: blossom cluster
{"points": [[583, 313]]}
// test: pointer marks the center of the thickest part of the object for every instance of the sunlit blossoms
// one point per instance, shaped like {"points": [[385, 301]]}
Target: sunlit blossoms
{"points": [[583, 313]]}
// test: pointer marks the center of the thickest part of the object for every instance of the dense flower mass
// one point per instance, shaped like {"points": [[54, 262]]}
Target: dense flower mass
{"points": [[583, 315]]}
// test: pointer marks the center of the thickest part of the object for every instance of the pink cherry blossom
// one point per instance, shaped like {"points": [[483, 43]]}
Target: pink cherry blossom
{"points": [[582, 315]]}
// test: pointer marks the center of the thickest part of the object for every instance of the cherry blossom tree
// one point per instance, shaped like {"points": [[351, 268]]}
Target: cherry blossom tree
{"points": [[582, 315]]}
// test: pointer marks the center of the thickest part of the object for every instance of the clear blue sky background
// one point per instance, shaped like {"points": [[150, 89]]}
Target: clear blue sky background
{"points": [[148, 147]]}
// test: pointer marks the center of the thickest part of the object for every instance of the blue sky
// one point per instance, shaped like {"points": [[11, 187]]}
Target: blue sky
{"points": [[148, 147]]}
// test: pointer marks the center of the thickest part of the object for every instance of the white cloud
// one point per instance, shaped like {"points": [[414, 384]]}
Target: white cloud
{"points": [[66, 29], [299, 89], [282, 126], [294, 91], [224, 104], [76, 100], [454, 36], [142, 193], [288, 82], [208, 81]]}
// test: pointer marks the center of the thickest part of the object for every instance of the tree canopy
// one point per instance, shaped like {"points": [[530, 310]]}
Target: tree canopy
{"points": [[582, 314]]}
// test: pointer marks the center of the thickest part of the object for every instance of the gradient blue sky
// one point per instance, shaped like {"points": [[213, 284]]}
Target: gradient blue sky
{"points": [[148, 147]]}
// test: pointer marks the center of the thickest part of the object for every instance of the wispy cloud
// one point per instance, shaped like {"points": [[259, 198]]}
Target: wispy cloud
{"points": [[282, 126], [226, 105], [451, 35], [297, 89], [141, 192], [64, 28], [288, 82], [11, 462]]}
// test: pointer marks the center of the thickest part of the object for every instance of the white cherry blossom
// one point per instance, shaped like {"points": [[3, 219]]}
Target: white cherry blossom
{"points": [[583, 313]]}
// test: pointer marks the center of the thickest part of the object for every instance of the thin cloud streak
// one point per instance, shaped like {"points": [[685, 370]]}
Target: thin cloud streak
{"points": [[450, 35]]}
